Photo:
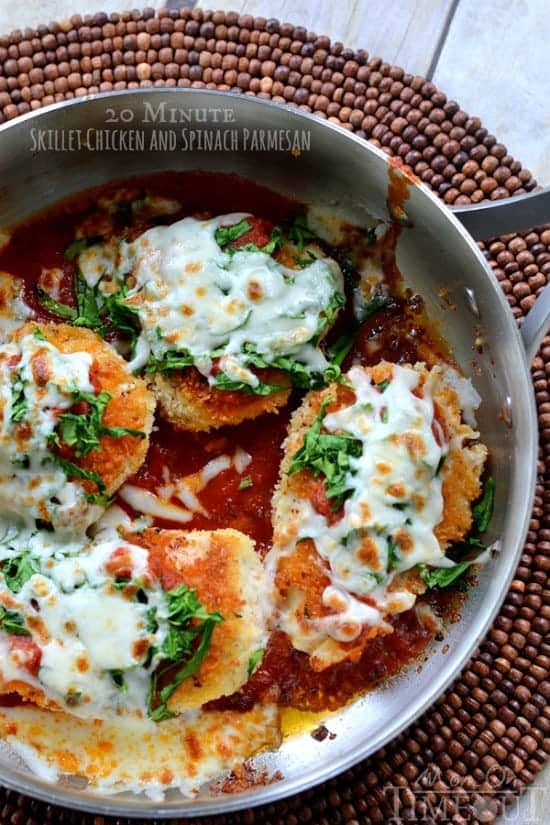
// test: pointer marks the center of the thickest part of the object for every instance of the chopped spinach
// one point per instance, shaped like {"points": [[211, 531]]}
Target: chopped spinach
{"points": [[483, 510], [72, 470], [327, 454], [55, 307], [373, 305], [19, 570], [274, 243], [444, 576], [12, 622], [118, 680], [19, 406], [255, 660], [187, 643], [169, 361], [83, 431], [225, 235], [393, 556], [299, 233], [224, 382], [78, 246]]}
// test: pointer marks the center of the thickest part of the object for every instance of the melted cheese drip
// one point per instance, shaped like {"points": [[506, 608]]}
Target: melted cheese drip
{"points": [[145, 502], [129, 754], [31, 486], [193, 297]]}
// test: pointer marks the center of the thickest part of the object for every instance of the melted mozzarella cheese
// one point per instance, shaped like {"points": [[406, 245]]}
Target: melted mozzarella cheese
{"points": [[85, 627], [13, 309], [145, 502], [395, 503], [193, 297], [129, 754], [31, 485]]}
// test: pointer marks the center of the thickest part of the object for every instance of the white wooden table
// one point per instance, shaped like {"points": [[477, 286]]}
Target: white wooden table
{"points": [[491, 56]]}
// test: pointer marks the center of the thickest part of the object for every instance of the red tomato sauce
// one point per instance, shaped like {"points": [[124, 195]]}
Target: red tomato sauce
{"points": [[247, 509], [287, 673], [393, 332]]}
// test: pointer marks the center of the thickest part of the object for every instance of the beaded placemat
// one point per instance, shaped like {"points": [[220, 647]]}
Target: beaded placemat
{"points": [[484, 741]]}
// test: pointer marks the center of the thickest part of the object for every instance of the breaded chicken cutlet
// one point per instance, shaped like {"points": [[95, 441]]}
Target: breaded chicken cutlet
{"points": [[228, 576], [183, 579], [75, 424], [228, 315], [378, 478]]}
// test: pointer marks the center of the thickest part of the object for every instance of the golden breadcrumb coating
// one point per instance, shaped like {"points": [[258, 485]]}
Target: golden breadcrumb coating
{"points": [[229, 578], [131, 405], [187, 401], [301, 576]]}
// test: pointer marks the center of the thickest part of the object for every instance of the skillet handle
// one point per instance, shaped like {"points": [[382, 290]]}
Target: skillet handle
{"points": [[491, 218]]}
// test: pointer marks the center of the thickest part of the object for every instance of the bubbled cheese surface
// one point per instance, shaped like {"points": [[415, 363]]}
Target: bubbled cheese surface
{"points": [[192, 296]]}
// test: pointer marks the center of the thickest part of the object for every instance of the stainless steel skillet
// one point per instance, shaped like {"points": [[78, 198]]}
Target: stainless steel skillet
{"points": [[437, 257]]}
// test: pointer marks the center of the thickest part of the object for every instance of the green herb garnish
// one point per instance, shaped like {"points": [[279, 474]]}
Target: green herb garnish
{"points": [[335, 304], [376, 303], [152, 623], [87, 305], [18, 571], [12, 622], [298, 372], [224, 382], [187, 643], [299, 233], [78, 246], [393, 556], [444, 576], [102, 313], [327, 454], [483, 510], [341, 347], [225, 235], [72, 470], [246, 482], [118, 680], [120, 316], [19, 405], [255, 660], [83, 431], [274, 243], [49, 303], [169, 361], [307, 261]]}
